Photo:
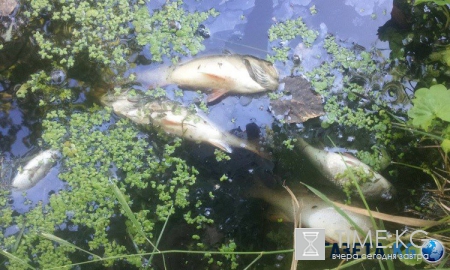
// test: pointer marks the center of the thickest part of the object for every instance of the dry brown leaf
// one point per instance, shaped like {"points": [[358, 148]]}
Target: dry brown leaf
{"points": [[303, 105], [7, 7]]}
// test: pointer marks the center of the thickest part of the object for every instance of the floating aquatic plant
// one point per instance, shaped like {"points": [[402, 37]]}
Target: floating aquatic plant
{"points": [[285, 31], [171, 31], [431, 112], [333, 80], [92, 157], [429, 105], [99, 29], [103, 35]]}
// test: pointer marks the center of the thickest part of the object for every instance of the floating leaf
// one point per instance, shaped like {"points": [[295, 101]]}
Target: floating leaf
{"points": [[430, 104], [303, 105]]}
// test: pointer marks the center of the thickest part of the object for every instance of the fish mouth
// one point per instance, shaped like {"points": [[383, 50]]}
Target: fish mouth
{"points": [[389, 194]]}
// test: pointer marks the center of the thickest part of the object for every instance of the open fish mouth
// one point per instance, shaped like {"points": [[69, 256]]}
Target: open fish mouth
{"points": [[389, 194]]}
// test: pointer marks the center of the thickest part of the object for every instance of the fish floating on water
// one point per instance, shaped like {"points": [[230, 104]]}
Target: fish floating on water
{"points": [[316, 213], [36, 169], [313, 212], [220, 74], [333, 166], [177, 120]]}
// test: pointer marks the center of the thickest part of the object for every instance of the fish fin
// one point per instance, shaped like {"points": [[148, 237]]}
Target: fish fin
{"points": [[216, 93], [257, 73], [221, 145], [349, 156], [227, 52], [167, 122]]}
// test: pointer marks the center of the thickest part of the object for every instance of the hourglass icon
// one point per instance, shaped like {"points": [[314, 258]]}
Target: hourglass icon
{"points": [[310, 250]]}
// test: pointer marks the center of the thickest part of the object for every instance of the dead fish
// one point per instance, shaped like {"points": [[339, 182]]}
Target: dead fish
{"points": [[36, 169], [220, 74], [316, 213], [313, 212], [332, 165], [177, 120]]}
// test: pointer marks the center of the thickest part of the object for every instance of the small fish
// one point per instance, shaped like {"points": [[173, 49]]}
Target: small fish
{"points": [[220, 74], [331, 165], [178, 120], [36, 169]]}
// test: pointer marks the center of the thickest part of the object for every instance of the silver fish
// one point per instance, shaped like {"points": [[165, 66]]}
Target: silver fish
{"points": [[331, 165], [313, 211], [177, 120], [220, 74], [36, 169]]}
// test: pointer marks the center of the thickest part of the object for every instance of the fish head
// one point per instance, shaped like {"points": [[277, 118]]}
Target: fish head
{"points": [[388, 194], [107, 100], [120, 104], [263, 72]]}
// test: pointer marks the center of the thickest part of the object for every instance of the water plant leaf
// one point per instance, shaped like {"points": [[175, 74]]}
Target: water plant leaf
{"points": [[446, 145], [430, 104], [443, 56]]}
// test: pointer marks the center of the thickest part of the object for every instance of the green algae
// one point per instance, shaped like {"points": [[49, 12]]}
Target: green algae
{"points": [[171, 31], [333, 80], [71, 34], [91, 156], [285, 32], [89, 26]]}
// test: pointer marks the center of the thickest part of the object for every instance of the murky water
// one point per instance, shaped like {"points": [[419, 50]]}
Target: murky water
{"points": [[240, 28]]}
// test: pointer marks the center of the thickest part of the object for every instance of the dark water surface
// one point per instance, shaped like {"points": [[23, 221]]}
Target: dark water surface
{"points": [[240, 28]]}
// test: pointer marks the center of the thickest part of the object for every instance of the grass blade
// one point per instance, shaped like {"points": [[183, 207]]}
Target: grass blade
{"points": [[254, 261], [15, 258], [160, 235], [123, 202], [63, 242], [339, 210]]}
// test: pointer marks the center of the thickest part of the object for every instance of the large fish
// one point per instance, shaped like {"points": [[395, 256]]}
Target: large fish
{"points": [[220, 74], [177, 120], [313, 211], [36, 169], [334, 165], [316, 213]]}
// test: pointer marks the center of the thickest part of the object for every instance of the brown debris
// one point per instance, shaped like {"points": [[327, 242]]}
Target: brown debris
{"points": [[7, 7], [304, 105]]}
